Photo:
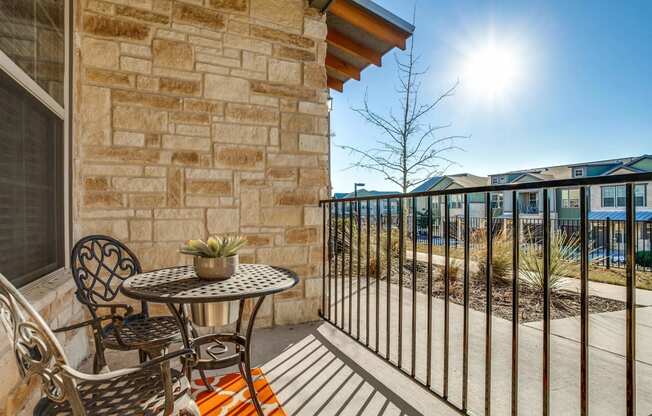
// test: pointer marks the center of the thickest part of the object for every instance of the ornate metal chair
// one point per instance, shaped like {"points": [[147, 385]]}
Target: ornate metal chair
{"points": [[152, 388], [100, 264]]}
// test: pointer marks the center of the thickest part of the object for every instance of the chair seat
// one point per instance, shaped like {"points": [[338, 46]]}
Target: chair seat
{"points": [[136, 394], [140, 332]]}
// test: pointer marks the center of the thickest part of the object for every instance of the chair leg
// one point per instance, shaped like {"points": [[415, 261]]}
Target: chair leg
{"points": [[142, 356], [99, 360]]}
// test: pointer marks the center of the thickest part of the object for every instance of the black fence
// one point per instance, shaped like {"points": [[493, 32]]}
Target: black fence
{"points": [[362, 245], [606, 237]]}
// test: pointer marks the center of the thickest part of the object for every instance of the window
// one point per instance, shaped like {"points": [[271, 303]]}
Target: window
{"points": [[616, 196], [578, 172], [31, 185], [570, 198], [497, 201], [455, 201], [639, 195], [494, 180], [33, 38], [608, 196]]}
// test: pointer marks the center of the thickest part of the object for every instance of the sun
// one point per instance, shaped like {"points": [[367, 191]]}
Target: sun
{"points": [[492, 70]]}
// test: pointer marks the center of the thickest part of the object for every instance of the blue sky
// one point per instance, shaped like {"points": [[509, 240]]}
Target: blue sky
{"points": [[582, 89]]}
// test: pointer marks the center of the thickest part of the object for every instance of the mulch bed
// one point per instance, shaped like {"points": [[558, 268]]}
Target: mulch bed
{"points": [[564, 303]]}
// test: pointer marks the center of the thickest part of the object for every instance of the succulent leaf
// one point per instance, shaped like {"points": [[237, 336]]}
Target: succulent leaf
{"points": [[215, 246]]}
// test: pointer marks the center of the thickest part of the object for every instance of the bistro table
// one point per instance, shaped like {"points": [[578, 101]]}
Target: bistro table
{"points": [[178, 287]]}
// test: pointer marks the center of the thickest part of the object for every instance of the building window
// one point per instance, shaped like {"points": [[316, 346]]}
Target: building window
{"points": [[578, 172], [640, 195], [455, 201], [497, 201], [494, 180], [570, 198], [616, 196], [31, 185]]}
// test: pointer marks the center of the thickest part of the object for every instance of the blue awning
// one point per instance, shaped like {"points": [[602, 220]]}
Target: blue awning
{"points": [[619, 215]]}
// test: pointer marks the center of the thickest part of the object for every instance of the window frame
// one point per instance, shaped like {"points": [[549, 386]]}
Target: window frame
{"points": [[620, 196], [63, 112], [569, 201], [497, 200]]}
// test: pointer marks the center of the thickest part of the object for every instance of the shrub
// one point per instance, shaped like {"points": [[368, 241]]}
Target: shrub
{"points": [[563, 253], [644, 258], [502, 255]]}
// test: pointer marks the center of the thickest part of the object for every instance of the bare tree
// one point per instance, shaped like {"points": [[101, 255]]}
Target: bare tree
{"points": [[410, 150]]}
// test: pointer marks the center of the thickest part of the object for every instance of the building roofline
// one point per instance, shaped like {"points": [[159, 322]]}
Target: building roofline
{"points": [[385, 14], [621, 160]]}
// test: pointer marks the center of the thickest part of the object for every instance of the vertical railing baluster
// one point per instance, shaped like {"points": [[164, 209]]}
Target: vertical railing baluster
{"points": [[584, 303], [359, 236], [429, 329], [401, 246], [516, 240], [389, 273], [335, 249], [630, 355], [343, 284], [546, 303], [414, 286], [465, 329], [350, 265], [330, 257], [323, 261], [447, 246], [488, 305], [378, 226], [368, 253]]}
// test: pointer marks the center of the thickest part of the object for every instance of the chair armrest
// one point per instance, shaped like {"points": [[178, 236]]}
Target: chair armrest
{"points": [[78, 325], [164, 359]]}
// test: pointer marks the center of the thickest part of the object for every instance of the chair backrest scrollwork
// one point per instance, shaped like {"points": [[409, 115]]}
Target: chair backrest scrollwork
{"points": [[100, 265], [37, 350]]}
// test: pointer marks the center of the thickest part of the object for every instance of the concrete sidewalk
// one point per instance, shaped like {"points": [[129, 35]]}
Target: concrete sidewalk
{"points": [[607, 364]]}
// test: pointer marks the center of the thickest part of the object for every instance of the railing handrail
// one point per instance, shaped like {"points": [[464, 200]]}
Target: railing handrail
{"points": [[555, 183]]}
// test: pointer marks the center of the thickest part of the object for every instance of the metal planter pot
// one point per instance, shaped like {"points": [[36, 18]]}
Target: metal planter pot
{"points": [[219, 268], [214, 314]]}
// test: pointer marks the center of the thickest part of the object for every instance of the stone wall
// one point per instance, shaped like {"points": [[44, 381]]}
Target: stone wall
{"points": [[202, 117]]}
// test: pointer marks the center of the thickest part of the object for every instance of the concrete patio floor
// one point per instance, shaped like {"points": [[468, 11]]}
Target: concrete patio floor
{"points": [[315, 369]]}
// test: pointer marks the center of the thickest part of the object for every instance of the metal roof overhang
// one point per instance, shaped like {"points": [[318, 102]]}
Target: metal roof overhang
{"points": [[359, 33]]}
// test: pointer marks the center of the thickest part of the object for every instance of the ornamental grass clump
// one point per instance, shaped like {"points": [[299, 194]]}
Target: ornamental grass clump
{"points": [[214, 247], [563, 255], [501, 261]]}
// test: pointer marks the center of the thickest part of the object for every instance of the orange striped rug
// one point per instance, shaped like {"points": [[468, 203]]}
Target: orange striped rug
{"points": [[231, 396]]}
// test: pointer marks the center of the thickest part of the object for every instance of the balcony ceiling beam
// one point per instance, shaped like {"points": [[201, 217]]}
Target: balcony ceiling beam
{"points": [[343, 42], [337, 65], [335, 84]]}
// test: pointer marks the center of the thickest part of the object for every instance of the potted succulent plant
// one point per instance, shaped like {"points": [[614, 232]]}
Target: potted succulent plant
{"points": [[217, 258]]}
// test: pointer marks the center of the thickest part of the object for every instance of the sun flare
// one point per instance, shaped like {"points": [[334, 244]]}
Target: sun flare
{"points": [[492, 70]]}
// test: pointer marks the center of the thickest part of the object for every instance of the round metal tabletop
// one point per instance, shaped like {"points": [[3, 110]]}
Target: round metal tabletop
{"points": [[181, 284]]}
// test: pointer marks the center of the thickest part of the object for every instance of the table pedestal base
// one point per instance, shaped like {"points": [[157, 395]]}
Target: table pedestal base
{"points": [[216, 352]]}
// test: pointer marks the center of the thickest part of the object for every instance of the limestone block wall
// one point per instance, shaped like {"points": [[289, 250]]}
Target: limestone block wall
{"points": [[198, 117]]}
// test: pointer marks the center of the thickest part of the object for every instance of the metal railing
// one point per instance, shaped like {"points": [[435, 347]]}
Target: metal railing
{"points": [[361, 244], [606, 237]]}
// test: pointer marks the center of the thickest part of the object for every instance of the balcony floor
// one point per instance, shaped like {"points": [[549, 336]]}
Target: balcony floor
{"points": [[315, 369]]}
